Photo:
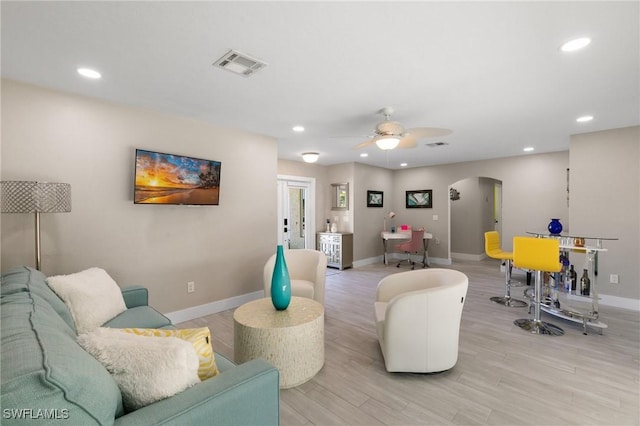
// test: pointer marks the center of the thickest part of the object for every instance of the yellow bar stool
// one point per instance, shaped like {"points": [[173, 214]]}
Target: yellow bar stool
{"points": [[538, 254], [493, 250]]}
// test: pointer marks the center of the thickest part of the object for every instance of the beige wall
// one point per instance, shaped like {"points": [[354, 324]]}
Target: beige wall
{"points": [[605, 167], [533, 191], [471, 217], [341, 173], [53, 136], [369, 221], [605, 202]]}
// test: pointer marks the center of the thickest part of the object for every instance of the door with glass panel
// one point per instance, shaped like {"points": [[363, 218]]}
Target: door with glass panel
{"points": [[296, 228]]}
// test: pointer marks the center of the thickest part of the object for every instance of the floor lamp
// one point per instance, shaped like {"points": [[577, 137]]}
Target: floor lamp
{"points": [[35, 197]]}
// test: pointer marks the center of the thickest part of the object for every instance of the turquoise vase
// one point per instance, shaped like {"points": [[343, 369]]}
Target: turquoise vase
{"points": [[555, 227], [280, 282]]}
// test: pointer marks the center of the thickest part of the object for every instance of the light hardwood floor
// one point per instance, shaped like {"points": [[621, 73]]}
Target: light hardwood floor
{"points": [[504, 375]]}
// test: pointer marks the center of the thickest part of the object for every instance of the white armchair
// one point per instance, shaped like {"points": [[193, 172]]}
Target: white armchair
{"points": [[307, 270], [417, 316]]}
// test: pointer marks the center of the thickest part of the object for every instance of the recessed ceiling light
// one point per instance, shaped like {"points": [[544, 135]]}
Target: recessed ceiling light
{"points": [[576, 44], [364, 154], [528, 149], [584, 118], [298, 128], [89, 73], [403, 164]]}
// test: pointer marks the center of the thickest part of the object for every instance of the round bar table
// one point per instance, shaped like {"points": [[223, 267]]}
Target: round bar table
{"points": [[292, 340]]}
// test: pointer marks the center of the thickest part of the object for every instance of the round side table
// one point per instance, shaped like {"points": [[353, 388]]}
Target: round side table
{"points": [[292, 340]]}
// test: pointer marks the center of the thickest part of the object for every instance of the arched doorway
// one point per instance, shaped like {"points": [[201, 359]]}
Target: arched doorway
{"points": [[475, 206]]}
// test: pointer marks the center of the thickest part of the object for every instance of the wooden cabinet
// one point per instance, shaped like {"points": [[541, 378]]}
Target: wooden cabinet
{"points": [[338, 247]]}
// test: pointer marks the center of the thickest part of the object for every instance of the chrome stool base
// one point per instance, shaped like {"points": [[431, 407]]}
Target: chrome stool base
{"points": [[539, 327], [508, 301]]}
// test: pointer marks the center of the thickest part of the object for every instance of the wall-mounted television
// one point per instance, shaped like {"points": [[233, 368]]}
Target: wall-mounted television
{"points": [[176, 179]]}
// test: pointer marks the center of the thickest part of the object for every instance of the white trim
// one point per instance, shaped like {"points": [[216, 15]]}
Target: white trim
{"points": [[368, 261], [467, 256], [619, 302], [213, 307], [309, 183]]}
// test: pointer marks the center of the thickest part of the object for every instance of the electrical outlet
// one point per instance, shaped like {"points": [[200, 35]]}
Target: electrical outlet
{"points": [[191, 287], [435, 217], [437, 241], [613, 279]]}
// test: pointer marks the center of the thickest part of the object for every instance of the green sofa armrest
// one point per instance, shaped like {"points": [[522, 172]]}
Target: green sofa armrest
{"points": [[248, 394], [135, 295]]}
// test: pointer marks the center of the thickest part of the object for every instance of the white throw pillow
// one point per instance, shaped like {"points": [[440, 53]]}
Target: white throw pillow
{"points": [[92, 296], [145, 368]]}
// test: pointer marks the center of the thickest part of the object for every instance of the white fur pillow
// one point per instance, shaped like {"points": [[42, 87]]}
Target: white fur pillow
{"points": [[92, 296], [145, 368]]}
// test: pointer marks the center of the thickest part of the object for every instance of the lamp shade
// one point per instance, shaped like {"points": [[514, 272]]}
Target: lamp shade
{"points": [[387, 142], [35, 197]]}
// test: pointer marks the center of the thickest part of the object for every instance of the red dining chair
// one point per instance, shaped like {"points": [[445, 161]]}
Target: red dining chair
{"points": [[414, 245]]}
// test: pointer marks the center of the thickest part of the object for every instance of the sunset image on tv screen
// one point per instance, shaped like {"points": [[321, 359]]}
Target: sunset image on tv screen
{"points": [[176, 179]]}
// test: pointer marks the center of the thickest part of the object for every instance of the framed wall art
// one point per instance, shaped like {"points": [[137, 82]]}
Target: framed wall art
{"points": [[421, 199], [375, 198]]}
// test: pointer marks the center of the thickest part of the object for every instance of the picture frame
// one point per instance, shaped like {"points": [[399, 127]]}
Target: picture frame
{"points": [[420, 199], [375, 198]]}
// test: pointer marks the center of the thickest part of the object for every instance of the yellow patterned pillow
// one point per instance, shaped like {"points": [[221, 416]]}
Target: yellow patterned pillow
{"points": [[200, 338]]}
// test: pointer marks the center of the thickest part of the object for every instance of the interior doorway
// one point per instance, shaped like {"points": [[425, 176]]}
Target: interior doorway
{"points": [[475, 207], [296, 212]]}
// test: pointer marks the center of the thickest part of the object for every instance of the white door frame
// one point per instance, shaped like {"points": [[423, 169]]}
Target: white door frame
{"points": [[309, 185]]}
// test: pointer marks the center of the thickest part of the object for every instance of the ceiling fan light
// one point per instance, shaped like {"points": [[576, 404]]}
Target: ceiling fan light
{"points": [[310, 157], [388, 142]]}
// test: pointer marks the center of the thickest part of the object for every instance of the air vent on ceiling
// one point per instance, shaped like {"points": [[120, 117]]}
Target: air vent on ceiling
{"points": [[436, 144], [239, 63]]}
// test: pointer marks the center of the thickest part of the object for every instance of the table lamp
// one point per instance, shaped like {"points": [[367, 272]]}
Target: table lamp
{"points": [[389, 215], [35, 197]]}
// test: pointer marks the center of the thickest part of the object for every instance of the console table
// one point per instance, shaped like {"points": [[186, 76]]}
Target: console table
{"points": [[292, 340], [591, 251], [338, 247]]}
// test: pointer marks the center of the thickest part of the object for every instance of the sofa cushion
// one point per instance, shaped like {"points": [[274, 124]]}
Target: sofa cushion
{"points": [[139, 317], [42, 365], [92, 296], [31, 280], [199, 338], [146, 368]]}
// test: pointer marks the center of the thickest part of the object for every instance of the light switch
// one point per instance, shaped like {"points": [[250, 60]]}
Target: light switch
{"points": [[435, 217]]}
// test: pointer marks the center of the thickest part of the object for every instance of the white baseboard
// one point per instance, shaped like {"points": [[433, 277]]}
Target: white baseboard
{"points": [[467, 256], [619, 302], [368, 261], [212, 308]]}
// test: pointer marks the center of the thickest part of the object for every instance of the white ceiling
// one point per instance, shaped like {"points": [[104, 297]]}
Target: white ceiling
{"points": [[490, 71]]}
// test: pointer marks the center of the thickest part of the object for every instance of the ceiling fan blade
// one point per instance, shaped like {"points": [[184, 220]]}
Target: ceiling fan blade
{"points": [[365, 143], [408, 141], [428, 132]]}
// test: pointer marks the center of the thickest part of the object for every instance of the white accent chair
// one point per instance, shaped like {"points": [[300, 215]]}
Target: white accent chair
{"points": [[417, 316], [307, 270]]}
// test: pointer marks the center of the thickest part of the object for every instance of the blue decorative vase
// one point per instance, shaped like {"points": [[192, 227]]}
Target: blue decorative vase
{"points": [[280, 282], [555, 227]]}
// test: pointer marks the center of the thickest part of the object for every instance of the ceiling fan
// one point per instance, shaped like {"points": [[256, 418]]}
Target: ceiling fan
{"points": [[391, 134]]}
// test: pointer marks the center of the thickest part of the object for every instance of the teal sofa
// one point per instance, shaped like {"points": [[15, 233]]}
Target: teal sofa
{"points": [[47, 378]]}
